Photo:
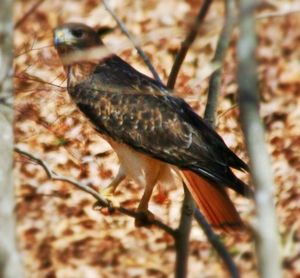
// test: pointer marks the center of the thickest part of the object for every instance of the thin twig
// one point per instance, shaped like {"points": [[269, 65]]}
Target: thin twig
{"points": [[277, 14], [32, 49], [183, 235], [222, 46], [217, 244], [267, 245], [185, 45], [100, 200], [37, 80], [28, 13], [134, 42]]}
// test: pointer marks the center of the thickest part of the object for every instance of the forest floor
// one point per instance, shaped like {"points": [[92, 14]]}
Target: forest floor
{"points": [[59, 232]]}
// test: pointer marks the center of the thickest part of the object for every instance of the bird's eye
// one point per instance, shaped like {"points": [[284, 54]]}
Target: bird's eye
{"points": [[78, 33]]}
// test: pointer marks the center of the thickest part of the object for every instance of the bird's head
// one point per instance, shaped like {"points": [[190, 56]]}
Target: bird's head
{"points": [[75, 36], [80, 49]]}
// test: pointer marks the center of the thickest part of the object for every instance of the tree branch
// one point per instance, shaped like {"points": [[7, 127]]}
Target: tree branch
{"points": [[267, 245], [27, 77], [183, 235], [278, 14], [222, 46], [134, 42], [217, 244], [185, 45], [100, 200]]}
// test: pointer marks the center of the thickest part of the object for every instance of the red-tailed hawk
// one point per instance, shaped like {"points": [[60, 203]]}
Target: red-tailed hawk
{"points": [[153, 133]]}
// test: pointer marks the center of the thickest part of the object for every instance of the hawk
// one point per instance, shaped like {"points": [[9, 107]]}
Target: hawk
{"points": [[155, 135]]}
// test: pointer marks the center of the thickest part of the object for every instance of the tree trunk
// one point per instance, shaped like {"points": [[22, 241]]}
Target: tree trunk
{"points": [[10, 266], [267, 239]]}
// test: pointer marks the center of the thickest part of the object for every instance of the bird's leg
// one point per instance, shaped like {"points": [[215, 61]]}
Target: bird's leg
{"points": [[146, 215], [109, 191]]}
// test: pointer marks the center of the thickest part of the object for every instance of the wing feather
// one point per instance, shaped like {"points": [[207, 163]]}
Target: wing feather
{"points": [[133, 109]]}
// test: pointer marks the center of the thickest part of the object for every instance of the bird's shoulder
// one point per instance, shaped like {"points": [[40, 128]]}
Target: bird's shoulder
{"points": [[115, 74]]}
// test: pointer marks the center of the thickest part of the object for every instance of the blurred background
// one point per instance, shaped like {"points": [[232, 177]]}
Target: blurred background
{"points": [[59, 232]]}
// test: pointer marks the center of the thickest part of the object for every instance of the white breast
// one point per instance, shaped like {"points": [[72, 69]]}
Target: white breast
{"points": [[143, 169]]}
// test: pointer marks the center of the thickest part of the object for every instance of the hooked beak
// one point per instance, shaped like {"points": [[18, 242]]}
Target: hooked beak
{"points": [[62, 37], [59, 37]]}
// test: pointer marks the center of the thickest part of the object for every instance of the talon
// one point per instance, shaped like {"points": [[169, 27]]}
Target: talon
{"points": [[98, 206], [108, 194], [144, 219]]}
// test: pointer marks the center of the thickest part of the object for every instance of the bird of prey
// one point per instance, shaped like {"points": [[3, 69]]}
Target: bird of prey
{"points": [[155, 135]]}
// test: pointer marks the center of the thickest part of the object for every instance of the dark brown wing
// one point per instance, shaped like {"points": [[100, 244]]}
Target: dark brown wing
{"points": [[137, 113]]}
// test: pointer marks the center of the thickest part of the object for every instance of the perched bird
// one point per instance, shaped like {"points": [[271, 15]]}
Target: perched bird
{"points": [[155, 135]]}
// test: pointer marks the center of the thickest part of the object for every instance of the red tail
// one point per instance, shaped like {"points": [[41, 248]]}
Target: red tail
{"points": [[213, 201]]}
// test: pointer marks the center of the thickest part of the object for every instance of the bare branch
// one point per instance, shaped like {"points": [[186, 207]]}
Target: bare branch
{"points": [[278, 14], [183, 235], [35, 79], [267, 235], [28, 13], [32, 49], [134, 42], [185, 45], [217, 244], [222, 45], [100, 200]]}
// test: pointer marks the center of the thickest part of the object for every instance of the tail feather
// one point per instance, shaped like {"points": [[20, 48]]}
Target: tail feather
{"points": [[239, 186], [213, 201]]}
